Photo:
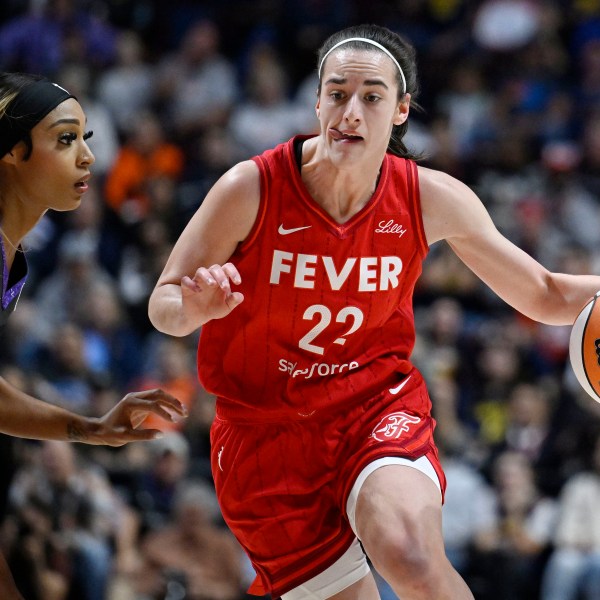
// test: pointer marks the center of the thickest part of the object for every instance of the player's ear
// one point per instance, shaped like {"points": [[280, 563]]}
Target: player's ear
{"points": [[402, 110], [10, 157], [317, 107], [15, 154]]}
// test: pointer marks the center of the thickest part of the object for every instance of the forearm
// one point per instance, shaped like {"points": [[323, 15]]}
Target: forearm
{"points": [[23, 416]]}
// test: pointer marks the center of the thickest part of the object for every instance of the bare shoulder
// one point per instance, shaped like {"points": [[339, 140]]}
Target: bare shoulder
{"points": [[239, 185], [241, 174], [450, 208], [433, 181], [233, 201]]}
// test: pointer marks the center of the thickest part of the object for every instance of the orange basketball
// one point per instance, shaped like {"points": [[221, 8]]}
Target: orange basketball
{"points": [[584, 347]]}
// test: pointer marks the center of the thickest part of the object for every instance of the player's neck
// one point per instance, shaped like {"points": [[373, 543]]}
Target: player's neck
{"points": [[16, 221], [342, 193]]}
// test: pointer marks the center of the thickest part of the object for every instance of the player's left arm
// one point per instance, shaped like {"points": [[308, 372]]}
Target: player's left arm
{"points": [[24, 416], [453, 212]]}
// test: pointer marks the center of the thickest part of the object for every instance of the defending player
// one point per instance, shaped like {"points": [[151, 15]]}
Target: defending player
{"points": [[45, 164]]}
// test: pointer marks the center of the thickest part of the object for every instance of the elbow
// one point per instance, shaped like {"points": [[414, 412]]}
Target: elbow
{"points": [[557, 304], [166, 315], [156, 322], [566, 299], [161, 320], [154, 313], [166, 327]]}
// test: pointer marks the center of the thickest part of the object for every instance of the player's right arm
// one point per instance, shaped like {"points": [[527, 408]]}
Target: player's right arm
{"points": [[195, 285]]}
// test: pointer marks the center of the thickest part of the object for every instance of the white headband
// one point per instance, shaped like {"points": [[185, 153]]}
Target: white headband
{"points": [[373, 43]]}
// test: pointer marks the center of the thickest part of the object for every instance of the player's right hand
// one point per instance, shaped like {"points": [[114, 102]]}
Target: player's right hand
{"points": [[209, 291]]}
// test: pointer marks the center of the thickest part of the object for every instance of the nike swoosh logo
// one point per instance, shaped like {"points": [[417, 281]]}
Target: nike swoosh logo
{"points": [[283, 231], [398, 388]]}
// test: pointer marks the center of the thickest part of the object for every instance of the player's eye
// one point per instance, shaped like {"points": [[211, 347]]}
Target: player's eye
{"points": [[67, 138]]}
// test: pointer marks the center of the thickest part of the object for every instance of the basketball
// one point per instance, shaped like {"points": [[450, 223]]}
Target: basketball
{"points": [[584, 347]]}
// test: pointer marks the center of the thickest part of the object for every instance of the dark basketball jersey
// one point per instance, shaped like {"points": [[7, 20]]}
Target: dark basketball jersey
{"points": [[327, 319], [13, 281]]}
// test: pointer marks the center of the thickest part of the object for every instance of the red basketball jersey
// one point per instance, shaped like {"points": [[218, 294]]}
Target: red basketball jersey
{"points": [[327, 319]]}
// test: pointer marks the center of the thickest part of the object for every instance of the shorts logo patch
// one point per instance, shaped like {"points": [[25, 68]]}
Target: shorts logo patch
{"points": [[392, 426]]}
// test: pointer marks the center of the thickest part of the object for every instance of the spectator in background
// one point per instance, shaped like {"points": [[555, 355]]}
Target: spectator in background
{"points": [[126, 88], [469, 507], [443, 347], [111, 344], [445, 275], [573, 570], [53, 33], [499, 366], [510, 555], [266, 117], [304, 99], [67, 377], [573, 204], [58, 297], [466, 104], [589, 88], [529, 419], [194, 550], [208, 158], [153, 489], [537, 428], [71, 512], [589, 173], [197, 85], [145, 156], [560, 121]]}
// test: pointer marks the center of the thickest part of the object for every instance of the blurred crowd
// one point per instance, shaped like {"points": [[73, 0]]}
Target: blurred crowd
{"points": [[176, 93]]}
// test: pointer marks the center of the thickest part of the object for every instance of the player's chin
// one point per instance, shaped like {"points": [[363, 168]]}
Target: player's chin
{"points": [[70, 203]]}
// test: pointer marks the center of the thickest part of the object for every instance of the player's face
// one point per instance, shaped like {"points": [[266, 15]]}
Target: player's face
{"points": [[358, 104], [55, 175]]}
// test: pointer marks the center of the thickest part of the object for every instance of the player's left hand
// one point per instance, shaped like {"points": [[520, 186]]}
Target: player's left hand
{"points": [[119, 425]]}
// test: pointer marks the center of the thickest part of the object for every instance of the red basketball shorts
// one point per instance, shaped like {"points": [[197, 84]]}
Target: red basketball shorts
{"points": [[282, 485]]}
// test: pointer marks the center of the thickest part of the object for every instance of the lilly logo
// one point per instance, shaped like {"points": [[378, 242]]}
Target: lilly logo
{"points": [[393, 426], [391, 227]]}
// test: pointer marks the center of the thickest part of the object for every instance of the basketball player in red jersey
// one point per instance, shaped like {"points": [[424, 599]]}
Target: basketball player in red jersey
{"points": [[300, 267], [45, 164]]}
